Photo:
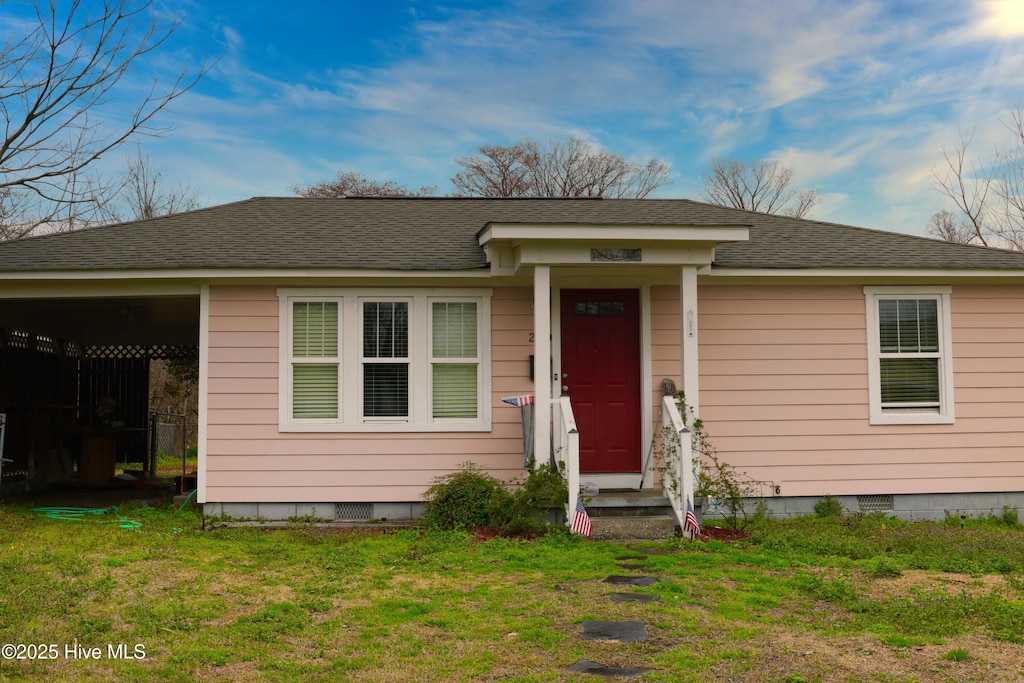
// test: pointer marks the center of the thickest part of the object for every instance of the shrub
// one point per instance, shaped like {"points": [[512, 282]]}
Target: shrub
{"points": [[828, 507], [886, 568], [464, 499], [738, 494], [473, 498]]}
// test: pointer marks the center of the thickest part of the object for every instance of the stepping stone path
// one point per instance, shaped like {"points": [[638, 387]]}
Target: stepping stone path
{"points": [[632, 580], [632, 565], [619, 631], [632, 597], [588, 667]]}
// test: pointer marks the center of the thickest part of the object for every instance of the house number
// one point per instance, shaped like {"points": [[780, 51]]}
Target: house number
{"points": [[531, 337]]}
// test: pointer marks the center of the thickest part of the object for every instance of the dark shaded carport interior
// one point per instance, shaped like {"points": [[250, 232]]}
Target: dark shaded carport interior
{"points": [[74, 382]]}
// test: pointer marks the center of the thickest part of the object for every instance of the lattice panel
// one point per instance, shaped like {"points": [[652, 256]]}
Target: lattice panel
{"points": [[353, 512], [137, 351], [874, 503]]}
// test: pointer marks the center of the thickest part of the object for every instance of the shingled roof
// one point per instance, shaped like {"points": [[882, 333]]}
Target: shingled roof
{"points": [[441, 234]]}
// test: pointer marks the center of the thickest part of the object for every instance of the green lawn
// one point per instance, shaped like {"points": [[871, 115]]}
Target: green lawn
{"points": [[811, 600]]}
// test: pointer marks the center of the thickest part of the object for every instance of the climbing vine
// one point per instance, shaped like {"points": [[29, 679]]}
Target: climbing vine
{"points": [[738, 497]]}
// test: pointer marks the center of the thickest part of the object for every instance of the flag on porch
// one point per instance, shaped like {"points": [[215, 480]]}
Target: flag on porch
{"points": [[581, 520], [525, 405], [690, 521], [518, 401]]}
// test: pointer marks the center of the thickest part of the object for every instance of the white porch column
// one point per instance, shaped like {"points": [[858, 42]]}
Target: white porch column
{"points": [[688, 300], [691, 378], [204, 385], [541, 363]]}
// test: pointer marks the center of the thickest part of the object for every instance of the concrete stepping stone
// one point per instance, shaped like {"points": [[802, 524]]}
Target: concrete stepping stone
{"points": [[632, 597], [619, 631], [588, 667], [632, 580], [631, 566], [651, 551]]}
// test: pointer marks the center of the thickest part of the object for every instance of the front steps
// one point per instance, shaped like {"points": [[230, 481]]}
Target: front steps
{"points": [[644, 515]]}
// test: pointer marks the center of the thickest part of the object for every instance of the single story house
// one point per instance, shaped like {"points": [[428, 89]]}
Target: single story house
{"points": [[352, 350]]}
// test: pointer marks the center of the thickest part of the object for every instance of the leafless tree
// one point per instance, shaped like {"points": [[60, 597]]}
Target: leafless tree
{"points": [[144, 194], [988, 193], [946, 225], [763, 185], [62, 107], [569, 167], [356, 184]]}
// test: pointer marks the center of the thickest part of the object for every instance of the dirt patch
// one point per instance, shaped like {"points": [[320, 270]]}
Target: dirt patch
{"points": [[915, 581], [865, 658]]}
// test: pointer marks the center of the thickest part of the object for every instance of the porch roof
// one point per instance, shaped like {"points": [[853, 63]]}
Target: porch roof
{"points": [[441, 234]]}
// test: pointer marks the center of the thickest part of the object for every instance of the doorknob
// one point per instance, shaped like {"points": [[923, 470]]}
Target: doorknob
{"points": [[565, 389]]}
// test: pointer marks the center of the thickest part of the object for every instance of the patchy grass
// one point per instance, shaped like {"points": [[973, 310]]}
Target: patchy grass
{"points": [[813, 600]]}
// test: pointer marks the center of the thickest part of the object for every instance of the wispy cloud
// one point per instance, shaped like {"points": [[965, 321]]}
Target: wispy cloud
{"points": [[858, 96]]}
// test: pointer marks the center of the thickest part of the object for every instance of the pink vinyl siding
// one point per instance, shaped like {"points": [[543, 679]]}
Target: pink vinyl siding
{"points": [[784, 393], [250, 460]]}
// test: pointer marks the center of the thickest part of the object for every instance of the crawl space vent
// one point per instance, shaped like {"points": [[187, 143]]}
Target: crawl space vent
{"points": [[874, 503], [352, 512]]}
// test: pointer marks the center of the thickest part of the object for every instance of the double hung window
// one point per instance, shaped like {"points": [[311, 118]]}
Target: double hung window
{"points": [[909, 354], [387, 360]]}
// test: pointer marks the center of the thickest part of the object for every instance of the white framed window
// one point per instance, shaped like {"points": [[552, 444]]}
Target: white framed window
{"points": [[910, 355], [384, 360]]}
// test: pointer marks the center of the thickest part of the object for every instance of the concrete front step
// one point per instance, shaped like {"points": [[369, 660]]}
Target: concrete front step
{"points": [[644, 515], [629, 503], [633, 528]]}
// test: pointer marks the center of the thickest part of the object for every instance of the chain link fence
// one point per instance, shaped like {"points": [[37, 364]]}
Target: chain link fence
{"points": [[171, 436]]}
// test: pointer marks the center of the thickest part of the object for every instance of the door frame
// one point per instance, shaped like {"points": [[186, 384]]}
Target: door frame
{"points": [[626, 480]]}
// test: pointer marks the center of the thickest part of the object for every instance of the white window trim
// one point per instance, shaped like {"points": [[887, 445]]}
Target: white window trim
{"points": [[350, 367], [946, 413]]}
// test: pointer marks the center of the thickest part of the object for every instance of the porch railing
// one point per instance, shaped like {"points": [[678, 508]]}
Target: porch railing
{"points": [[678, 450], [567, 451]]}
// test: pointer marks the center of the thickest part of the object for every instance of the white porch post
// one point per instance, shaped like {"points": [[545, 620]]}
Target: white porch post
{"points": [[541, 363], [689, 370], [688, 299]]}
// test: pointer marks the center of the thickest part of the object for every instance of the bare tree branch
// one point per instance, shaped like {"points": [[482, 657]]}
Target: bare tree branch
{"points": [[764, 185], [944, 225], [355, 184], [56, 83], [143, 194], [564, 168], [989, 194]]}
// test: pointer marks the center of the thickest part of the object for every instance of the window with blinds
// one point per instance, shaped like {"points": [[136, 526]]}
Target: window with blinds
{"points": [[365, 359], [454, 361], [910, 366], [386, 359], [315, 362], [908, 333]]}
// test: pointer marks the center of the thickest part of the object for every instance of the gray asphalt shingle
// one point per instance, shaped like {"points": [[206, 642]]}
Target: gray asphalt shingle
{"points": [[441, 234]]}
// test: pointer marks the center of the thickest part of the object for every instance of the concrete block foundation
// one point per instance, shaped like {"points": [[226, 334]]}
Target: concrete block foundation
{"points": [[908, 507]]}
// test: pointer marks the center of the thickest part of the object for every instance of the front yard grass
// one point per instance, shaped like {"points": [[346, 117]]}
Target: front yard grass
{"points": [[811, 600]]}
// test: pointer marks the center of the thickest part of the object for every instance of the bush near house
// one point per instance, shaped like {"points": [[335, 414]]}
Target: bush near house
{"points": [[472, 498]]}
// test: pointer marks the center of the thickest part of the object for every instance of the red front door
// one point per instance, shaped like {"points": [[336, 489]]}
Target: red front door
{"points": [[601, 372]]}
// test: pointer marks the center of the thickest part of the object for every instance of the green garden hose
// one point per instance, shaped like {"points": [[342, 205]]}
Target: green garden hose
{"points": [[72, 514]]}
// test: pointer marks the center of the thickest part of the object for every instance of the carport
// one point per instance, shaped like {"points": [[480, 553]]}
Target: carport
{"points": [[74, 374]]}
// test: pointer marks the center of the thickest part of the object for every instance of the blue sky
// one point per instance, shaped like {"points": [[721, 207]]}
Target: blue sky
{"points": [[858, 97]]}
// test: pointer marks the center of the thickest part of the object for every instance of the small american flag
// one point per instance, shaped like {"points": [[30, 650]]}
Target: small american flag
{"points": [[518, 401], [581, 520], [690, 521]]}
